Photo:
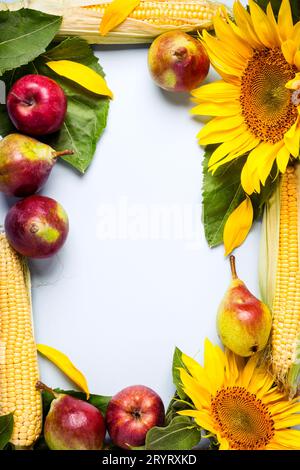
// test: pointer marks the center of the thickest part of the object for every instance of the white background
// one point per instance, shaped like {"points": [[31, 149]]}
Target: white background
{"points": [[118, 307]]}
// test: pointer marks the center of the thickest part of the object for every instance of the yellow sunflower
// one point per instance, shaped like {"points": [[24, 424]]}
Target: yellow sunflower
{"points": [[256, 104], [238, 402]]}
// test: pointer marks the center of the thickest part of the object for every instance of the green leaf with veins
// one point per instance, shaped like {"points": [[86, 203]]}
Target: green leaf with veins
{"points": [[24, 35], [181, 434]]}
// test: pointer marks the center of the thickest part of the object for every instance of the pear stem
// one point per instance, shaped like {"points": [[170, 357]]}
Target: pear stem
{"points": [[61, 153], [232, 267], [44, 388]]}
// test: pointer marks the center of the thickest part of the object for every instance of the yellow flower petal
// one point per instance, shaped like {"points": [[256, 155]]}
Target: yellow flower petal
{"points": [[289, 438], [220, 126], [289, 49], [282, 159], [237, 226], [234, 149], [292, 139], [272, 20], [115, 13], [248, 371], [249, 177], [294, 84], [296, 33], [245, 25], [202, 418], [208, 134], [297, 59], [218, 91], [226, 34], [288, 422], [262, 26], [196, 390], [285, 20], [214, 368], [81, 74], [65, 365], [267, 160], [229, 108], [222, 56]]}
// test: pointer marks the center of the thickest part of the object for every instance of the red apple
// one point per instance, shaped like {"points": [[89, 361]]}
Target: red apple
{"points": [[37, 226], [131, 413], [177, 62], [36, 105]]}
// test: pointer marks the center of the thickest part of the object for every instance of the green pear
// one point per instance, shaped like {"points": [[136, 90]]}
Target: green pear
{"points": [[243, 321]]}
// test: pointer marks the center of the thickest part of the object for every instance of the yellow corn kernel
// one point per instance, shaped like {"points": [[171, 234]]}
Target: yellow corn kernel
{"points": [[18, 357], [286, 312], [171, 13]]}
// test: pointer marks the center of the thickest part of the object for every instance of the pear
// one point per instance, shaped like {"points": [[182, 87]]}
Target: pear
{"points": [[25, 164], [72, 424], [243, 321]]}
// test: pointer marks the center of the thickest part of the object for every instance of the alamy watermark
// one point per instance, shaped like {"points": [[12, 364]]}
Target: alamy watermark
{"points": [[131, 221]]}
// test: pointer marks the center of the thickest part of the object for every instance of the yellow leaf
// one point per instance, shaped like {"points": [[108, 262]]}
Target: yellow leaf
{"points": [[81, 74], [116, 12], [237, 226], [65, 365]]}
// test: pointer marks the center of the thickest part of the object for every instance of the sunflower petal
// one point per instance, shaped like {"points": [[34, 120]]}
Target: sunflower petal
{"points": [[216, 109], [266, 163], [245, 25], [282, 159], [198, 393], [289, 438], [220, 126], [222, 57], [285, 20], [115, 13], [292, 139], [262, 26], [213, 366], [297, 59], [288, 422], [226, 34], [289, 49], [272, 20], [238, 226], [248, 371], [216, 91]]}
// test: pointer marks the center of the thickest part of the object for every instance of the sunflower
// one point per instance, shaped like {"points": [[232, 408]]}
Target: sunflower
{"points": [[256, 103], [238, 403]]}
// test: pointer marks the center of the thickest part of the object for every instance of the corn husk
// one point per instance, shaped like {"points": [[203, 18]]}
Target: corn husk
{"points": [[84, 22]]}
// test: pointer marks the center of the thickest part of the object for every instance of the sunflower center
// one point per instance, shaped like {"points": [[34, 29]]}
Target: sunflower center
{"points": [[266, 104], [242, 419]]}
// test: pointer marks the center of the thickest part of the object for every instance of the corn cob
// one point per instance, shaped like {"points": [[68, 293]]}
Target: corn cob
{"points": [[18, 356], [280, 277], [148, 20]]}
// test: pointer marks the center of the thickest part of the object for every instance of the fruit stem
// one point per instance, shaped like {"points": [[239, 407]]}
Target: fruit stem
{"points": [[232, 267], [61, 153], [44, 388]]}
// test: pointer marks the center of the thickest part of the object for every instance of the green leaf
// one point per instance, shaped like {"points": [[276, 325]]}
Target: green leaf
{"points": [[24, 35], [180, 434], [6, 429], [295, 5], [87, 113], [175, 405], [6, 126], [99, 401], [222, 193], [178, 363]]}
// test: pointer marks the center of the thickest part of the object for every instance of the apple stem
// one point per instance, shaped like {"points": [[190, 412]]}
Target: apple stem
{"points": [[44, 388], [232, 267], [61, 153], [23, 100]]}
